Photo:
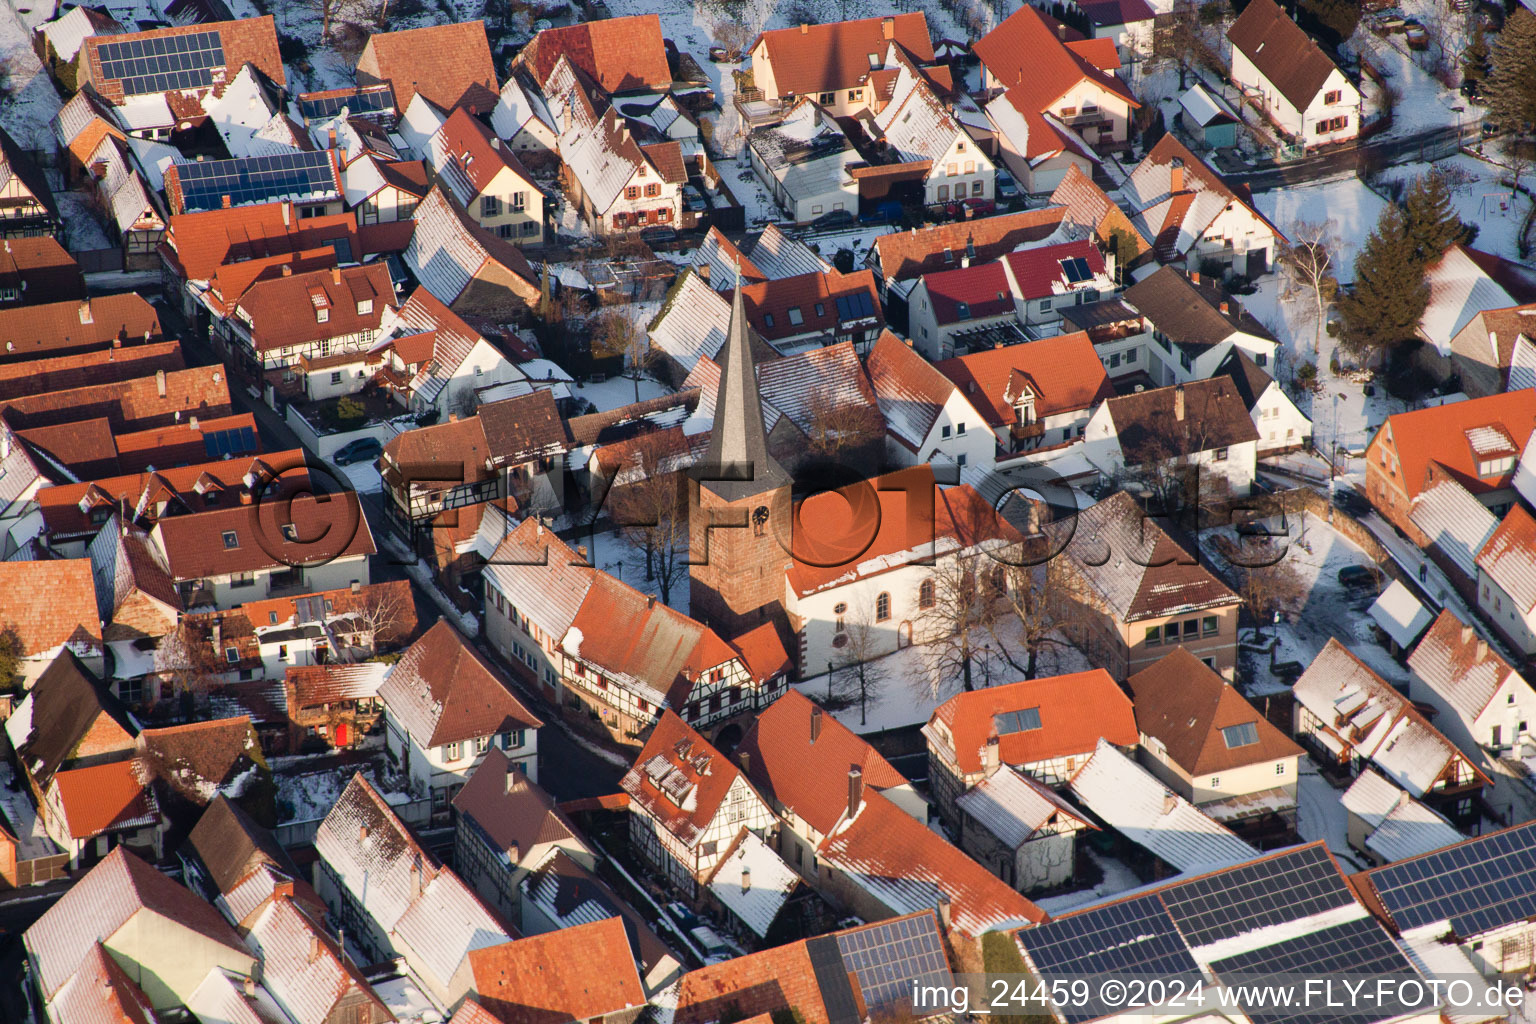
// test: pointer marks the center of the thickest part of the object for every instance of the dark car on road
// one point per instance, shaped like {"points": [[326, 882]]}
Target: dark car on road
{"points": [[362, 450], [1357, 576]]}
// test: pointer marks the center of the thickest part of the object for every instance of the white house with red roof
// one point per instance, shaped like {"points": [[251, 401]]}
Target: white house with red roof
{"points": [[430, 358], [843, 581], [444, 708], [689, 805], [971, 307], [916, 125], [487, 179], [1058, 93], [1035, 398], [1506, 580], [927, 417], [1192, 215], [1278, 64], [832, 64]]}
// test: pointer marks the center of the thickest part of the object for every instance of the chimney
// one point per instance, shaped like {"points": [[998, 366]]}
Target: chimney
{"points": [[224, 202], [1481, 649], [287, 270], [991, 754], [1466, 634], [943, 910], [160, 383], [1061, 31], [888, 28], [746, 879], [1226, 307], [330, 134], [1194, 277], [1176, 175], [85, 311], [1170, 801], [314, 947], [335, 275], [514, 853], [192, 422], [5, 444], [286, 212], [516, 781], [581, 552], [357, 587], [453, 417], [283, 890], [218, 635], [1178, 402], [804, 28], [362, 832], [855, 789], [745, 760], [245, 499], [815, 722], [415, 878], [250, 987]]}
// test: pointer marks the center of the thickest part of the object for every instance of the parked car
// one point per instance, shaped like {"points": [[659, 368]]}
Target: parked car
{"points": [[711, 945], [887, 212], [834, 220], [363, 449], [693, 199], [979, 207], [1358, 576], [1351, 502], [1007, 188], [660, 237]]}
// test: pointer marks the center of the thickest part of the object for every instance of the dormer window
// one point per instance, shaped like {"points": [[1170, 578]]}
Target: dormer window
{"points": [[1024, 408], [322, 315]]}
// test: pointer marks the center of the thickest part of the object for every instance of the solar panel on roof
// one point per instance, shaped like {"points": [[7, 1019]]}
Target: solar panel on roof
{"points": [[887, 959], [1476, 886], [257, 179], [1136, 936], [363, 101], [162, 63], [855, 306], [1069, 268], [1284, 888], [1358, 947]]}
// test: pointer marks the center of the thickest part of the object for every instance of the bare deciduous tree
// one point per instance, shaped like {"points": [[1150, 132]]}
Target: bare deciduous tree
{"points": [[1039, 611], [615, 334], [188, 657], [733, 37], [838, 427], [383, 615], [963, 620], [648, 501], [859, 676], [1309, 262], [1271, 583]]}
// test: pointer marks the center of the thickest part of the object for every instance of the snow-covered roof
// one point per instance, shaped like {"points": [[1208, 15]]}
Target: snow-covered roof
{"points": [[221, 998], [1459, 289], [754, 883], [153, 158], [242, 112], [68, 32], [444, 923], [1205, 107], [1151, 815], [372, 855], [1411, 829], [914, 122], [694, 322], [1400, 615], [549, 598], [1371, 798], [779, 256], [1456, 523], [421, 120], [144, 112], [806, 153], [519, 103], [444, 255], [1460, 666], [1012, 806]]}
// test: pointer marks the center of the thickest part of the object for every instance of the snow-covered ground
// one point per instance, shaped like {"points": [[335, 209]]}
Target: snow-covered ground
{"points": [[306, 796], [1117, 879], [1345, 206], [614, 554], [28, 99], [1478, 197], [363, 476], [618, 391], [1423, 103], [1321, 815]]}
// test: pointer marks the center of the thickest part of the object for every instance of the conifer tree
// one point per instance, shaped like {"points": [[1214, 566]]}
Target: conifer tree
{"points": [[1430, 220], [1390, 293], [1510, 91], [1475, 59]]}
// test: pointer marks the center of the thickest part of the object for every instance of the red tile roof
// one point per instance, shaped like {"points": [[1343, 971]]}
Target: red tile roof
{"points": [[619, 54], [570, 974], [1038, 270], [199, 243], [757, 984], [480, 155], [685, 751], [443, 691], [762, 650], [913, 253], [448, 64], [41, 269], [802, 774], [196, 759], [85, 448], [904, 864], [129, 405], [105, 797], [1027, 41], [1087, 205], [182, 443], [806, 292], [284, 311], [831, 546], [58, 328], [83, 369], [1509, 558], [325, 529], [810, 59], [50, 603], [248, 41], [982, 290], [181, 485], [1440, 435], [1185, 705], [1076, 711], [1064, 372]]}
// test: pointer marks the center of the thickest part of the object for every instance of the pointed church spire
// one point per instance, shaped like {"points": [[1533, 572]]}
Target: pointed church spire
{"points": [[738, 464]]}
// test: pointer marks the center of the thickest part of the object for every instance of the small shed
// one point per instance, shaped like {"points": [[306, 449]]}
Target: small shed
{"points": [[1400, 616], [1207, 116]]}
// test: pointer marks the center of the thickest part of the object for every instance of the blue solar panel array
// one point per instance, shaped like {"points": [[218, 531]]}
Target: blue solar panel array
{"points": [[220, 443], [1476, 886], [889, 958], [1358, 947], [363, 101], [1076, 269], [162, 63], [259, 179], [1136, 936], [1284, 888], [855, 306]]}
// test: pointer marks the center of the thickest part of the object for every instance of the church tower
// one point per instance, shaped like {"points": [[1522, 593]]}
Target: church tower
{"points": [[740, 512]]}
